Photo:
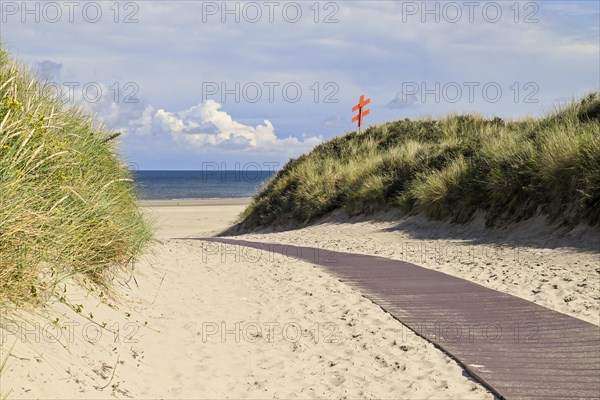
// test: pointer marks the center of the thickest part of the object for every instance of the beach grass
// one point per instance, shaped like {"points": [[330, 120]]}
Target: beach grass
{"points": [[67, 204], [448, 169]]}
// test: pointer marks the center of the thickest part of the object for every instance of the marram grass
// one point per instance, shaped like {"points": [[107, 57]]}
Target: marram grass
{"points": [[448, 169], [67, 205]]}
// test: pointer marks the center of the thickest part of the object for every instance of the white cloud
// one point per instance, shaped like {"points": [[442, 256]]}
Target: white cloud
{"points": [[206, 126]]}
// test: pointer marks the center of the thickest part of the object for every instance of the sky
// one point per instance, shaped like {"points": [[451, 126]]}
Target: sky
{"points": [[197, 84]]}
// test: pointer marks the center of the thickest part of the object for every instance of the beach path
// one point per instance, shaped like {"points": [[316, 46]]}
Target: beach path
{"points": [[519, 349]]}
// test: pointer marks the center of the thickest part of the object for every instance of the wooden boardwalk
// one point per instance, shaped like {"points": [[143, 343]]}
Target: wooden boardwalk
{"points": [[519, 349]]}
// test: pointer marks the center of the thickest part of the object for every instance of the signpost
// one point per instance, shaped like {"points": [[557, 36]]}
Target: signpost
{"points": [[362, 112]]}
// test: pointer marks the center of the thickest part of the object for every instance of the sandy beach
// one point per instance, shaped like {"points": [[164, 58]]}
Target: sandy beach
{"points": [[189, 322], [558, 271], [299, 200]]}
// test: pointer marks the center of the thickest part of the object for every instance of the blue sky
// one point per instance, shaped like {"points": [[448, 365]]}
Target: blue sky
{"points": [[169, 72]]}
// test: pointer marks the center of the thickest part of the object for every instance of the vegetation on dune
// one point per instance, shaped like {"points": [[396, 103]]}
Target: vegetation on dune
{"points": [[448, 169], [67, 205]]}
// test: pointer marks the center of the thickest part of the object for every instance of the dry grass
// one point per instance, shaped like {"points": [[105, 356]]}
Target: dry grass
{"points": [[448, 169], [67, 206]]}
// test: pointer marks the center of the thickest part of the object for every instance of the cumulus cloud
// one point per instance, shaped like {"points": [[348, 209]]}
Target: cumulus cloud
{"points": [[204, 128], [110, 106], [206, 125]]}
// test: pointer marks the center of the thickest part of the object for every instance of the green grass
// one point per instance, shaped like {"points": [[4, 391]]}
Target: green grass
{"points": [[67, 205], [448, 169]]}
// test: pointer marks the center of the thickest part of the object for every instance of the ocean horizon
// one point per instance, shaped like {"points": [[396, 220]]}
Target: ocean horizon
{"points": [[192, 185]]}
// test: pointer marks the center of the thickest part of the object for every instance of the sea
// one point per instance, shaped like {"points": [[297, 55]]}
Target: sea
{"points": [[183, 185]]}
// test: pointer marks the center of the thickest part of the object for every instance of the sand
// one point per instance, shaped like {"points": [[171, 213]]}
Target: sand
{"points": [[559, 270], [191, 322]]}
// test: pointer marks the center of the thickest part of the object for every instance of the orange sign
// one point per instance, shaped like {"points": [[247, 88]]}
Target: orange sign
{"points": [[362, 112]]}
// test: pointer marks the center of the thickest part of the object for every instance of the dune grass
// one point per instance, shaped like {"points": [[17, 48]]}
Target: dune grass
{"points": [[67, 205], [448, 169]]}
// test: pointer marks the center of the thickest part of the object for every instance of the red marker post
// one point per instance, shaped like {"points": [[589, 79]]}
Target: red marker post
{"points": [[362, 112]]}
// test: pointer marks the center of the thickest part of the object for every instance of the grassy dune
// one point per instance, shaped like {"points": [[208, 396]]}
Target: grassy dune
{"points": [[67, 206], [448, 169]]}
